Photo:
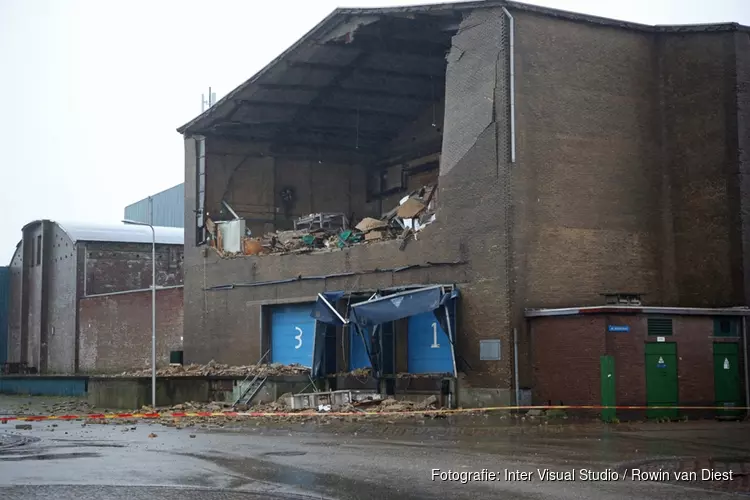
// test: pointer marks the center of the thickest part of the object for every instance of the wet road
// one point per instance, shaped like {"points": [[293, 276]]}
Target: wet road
{"points": [[359, 460]]}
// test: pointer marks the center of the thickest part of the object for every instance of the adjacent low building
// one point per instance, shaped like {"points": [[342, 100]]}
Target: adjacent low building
{"points": [[555, 158], [80, 297], [630, 356]]}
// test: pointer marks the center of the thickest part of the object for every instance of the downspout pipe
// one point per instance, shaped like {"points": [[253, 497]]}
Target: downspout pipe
{"points": [[515, 366], [745, 361], [512, 84]]}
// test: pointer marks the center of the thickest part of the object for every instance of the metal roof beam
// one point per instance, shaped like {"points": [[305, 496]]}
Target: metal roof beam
{"points": [[319, 107], [368, 71], [374, 45], [349, 91], [266, 131]]}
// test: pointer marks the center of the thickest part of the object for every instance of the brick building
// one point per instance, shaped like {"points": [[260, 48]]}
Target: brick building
{"points": [[574, 156], [80, 299]]}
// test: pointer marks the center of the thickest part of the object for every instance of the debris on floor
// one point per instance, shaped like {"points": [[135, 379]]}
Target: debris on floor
{"points": [[367, 372], [214, 369], [331, 231]]}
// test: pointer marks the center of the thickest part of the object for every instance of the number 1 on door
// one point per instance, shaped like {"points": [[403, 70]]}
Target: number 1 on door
{"points": [[435, 344]]}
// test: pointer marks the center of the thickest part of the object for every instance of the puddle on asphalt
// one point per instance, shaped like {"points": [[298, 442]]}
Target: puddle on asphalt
{"points": [[79, 443], [284, 453], [300, 479]]}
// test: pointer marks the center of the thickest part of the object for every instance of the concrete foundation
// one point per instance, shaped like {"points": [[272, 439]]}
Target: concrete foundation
{"points": [[471, 397], [134, 392]]}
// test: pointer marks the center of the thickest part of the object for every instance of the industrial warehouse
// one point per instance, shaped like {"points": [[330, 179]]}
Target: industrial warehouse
{"points": [[466, 189], [482, 203]]}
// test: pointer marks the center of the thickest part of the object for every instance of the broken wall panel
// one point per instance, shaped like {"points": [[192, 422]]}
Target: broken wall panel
{"points": [[471, 83]]}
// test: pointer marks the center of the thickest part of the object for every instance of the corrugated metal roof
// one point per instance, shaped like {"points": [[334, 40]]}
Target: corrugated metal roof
{"points": [[122, 233], [118, 232]]}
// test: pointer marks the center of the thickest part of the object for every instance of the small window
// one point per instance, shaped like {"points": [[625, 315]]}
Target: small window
{"points": [[39, 250], [659, 327], [725, 327], [489, 350]]}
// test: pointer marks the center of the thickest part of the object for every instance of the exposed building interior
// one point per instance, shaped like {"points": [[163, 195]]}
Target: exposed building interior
{"points": [[346, 123]]}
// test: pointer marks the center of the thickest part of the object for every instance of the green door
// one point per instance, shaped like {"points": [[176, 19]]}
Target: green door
{"points": [[661, 379], [727, 388]]}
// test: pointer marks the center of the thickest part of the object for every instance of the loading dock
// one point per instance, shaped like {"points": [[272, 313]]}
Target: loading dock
{"points": [[429, 347], [292, 334]]}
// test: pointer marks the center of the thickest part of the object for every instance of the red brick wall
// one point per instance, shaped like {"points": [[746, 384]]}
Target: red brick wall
{"points": [[565, 359], [118, 267], [566, 351], [115, 330]]}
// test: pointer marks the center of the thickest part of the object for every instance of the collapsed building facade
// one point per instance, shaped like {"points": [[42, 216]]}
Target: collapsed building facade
{"points": [[80, 298], [514, 158]]}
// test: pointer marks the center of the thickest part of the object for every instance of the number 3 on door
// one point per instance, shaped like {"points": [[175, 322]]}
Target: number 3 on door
{"points": [[298, 337], [435, 344]]}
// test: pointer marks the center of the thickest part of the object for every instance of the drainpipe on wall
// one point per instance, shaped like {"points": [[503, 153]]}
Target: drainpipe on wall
{"points": [[745, 361], [515, 365], [85, 270], [512, 85]]}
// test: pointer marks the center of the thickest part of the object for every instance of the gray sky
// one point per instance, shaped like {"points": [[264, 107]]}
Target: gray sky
{"points": [[93, 90]]}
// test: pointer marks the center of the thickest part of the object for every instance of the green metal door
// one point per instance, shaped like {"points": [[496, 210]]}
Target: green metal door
{"points": [[608, 388], [661, 379], [727, 387]]}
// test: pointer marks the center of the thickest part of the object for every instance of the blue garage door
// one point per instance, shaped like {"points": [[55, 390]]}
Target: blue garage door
{"points": [[357, 353], [429, 347], [292, 334]]}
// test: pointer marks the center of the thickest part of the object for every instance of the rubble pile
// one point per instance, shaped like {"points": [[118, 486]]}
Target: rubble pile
{"points": [[367, 372], [393, 405], [214, 369], [413, 212]]}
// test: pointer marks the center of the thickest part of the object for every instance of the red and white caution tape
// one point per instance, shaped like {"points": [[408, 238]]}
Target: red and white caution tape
{"points": [[256, 414]]}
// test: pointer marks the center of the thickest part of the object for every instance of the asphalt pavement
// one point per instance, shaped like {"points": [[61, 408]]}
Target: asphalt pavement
{"points": [[407, 460]]}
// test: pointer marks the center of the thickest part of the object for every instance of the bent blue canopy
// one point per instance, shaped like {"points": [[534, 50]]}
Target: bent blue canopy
{"points": [[325, 311], [401, 305], [379, 310]]}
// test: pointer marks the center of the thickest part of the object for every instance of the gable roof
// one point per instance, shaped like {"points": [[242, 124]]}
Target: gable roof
{"points": [[119, 232], [345, 21]]}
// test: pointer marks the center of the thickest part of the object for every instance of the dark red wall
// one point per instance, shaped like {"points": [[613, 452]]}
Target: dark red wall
{"points": [[566, 355]]}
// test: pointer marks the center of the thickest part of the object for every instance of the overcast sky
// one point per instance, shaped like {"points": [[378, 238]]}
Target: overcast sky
{"points": [[93, 90]]}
